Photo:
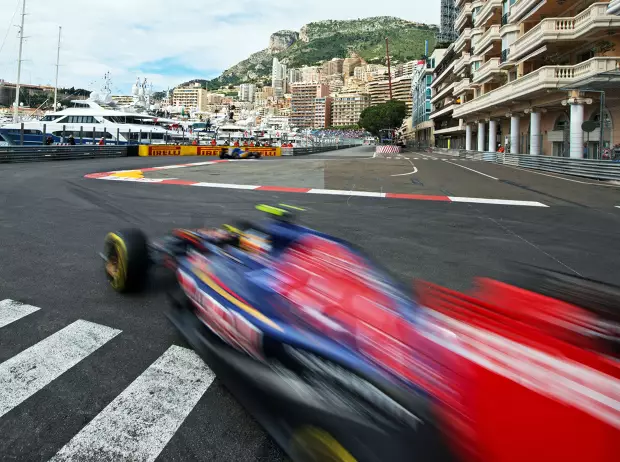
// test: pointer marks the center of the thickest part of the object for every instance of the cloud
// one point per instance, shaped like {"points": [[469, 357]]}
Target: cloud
{"points": [[170, 41]]}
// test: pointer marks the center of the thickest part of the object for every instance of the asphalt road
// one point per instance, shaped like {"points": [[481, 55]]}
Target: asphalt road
{"points": [[53, 221]]}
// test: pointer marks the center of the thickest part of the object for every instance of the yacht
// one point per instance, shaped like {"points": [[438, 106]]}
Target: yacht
{"points": [[89, 121]]}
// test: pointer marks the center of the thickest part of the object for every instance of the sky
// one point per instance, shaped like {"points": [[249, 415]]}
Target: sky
{"points": [[167, 42]]}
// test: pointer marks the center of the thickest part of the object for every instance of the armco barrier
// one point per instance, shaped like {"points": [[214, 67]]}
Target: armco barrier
{"points": [[210, 151], [587, 168], [315, 149], [13, 154]]}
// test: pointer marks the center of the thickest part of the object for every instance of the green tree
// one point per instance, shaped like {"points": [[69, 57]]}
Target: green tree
{"points": [[383, 116]]}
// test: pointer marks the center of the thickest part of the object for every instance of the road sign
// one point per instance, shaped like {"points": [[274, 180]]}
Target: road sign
{"points": [[589, 126]]}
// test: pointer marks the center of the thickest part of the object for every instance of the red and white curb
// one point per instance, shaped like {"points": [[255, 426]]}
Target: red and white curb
{"points": [[137, 176]]}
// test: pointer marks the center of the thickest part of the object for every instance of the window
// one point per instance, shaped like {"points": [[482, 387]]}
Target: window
{"points": [[429, 79], [50, 118], [475, 66], [78, 120]]}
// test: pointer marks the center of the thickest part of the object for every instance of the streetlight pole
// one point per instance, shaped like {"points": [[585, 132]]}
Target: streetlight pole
{"points": [[19, 64]]}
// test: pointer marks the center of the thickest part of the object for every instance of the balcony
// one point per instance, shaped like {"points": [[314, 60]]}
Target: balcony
{"points": [[462, 63], [459, 3], [457, 128], [486, 70], [543, 79], [491, 35], [564, 29], [461, 87], [440, 78], [443, 111], [486, 12], [445, 91], [521, 7], [464, 37], [461, 19]]}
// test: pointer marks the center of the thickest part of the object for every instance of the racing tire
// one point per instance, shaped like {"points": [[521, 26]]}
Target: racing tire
{"points": [[127, 260]]}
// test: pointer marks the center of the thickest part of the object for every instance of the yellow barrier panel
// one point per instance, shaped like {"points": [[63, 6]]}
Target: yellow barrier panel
{"points": [[211, 151]]}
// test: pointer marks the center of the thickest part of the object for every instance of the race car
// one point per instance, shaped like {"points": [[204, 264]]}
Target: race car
{"points": [[239, 153], [339, 363]]}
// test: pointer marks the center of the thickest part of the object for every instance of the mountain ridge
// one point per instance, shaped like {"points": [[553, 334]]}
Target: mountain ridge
{"points": [[320, 41]]}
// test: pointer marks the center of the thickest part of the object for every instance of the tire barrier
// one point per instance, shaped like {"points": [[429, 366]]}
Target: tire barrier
{"points": [[14, 154]]}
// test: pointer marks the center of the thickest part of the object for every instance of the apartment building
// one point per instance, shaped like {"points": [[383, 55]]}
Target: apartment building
{"points": [[350, 64], [310, 74], [347, 108], [422, 126], [323, 112], [247, 92], [279, 78], [294, 76], [191, 97], [303, 101], [448, 131], [530, 72], [379, 91], [333, 67], [401, 90]]}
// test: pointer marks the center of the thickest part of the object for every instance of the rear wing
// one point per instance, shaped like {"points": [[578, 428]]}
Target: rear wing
{"points": [[535, 376]]}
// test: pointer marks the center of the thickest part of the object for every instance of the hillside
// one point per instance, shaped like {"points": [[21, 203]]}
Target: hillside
{"points": [[320, 41]]}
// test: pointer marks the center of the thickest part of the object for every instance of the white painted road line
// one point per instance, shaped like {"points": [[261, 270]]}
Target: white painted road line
{"points": [[475, 200], [336, 192], [471, 170], [11, 311], [31, 370], [139, 423], [226, 186]]}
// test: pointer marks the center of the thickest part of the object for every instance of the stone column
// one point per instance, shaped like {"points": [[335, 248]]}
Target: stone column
{"points": [[468, 133], [481, 136], [576, 103], [492, 135], [535, 134], [515, 121]]}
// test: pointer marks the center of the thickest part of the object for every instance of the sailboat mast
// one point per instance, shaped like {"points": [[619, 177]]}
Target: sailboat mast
{"points": [[19, 64], [57, 66]]}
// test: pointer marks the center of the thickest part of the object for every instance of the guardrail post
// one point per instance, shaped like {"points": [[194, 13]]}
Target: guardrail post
{"points": [[44, 132], [94, 141], [81, 135], [140, 135], [118, 135], [63, 133], [21, 135], [151, 137]]}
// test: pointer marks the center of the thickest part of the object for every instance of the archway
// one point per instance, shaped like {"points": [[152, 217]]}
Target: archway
{"points": [[593, 145]]}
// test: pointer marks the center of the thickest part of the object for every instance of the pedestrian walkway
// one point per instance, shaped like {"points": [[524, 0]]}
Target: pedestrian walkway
{"points": [[138, 423]]}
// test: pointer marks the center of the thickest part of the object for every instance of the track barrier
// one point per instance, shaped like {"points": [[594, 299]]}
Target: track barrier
{"points": [[14, 154]]}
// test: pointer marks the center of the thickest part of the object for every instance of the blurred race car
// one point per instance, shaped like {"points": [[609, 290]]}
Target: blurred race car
{"points": [[338, 363], [239, 153]]}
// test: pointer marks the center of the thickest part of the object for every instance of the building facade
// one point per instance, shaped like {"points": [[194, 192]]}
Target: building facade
{"points": [[448, 131], [323, 112], [310, 74], [247, 92], [279, 78], [421, 94], [347, 108], [447, 33], [190, 97], [294, 76], [350, 64], [530, 72], [303, 100]]}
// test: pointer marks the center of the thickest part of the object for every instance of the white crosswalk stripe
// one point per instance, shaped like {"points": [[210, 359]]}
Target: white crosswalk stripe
{"points": [[153, 407], [28, 372], [138, 423], [11, 311]]}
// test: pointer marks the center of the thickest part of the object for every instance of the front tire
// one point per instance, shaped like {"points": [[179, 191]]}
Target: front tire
{"points": [[127, 260]]}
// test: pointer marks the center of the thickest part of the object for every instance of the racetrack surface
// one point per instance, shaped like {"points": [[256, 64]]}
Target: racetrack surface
{"points": [[53, 221]]}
